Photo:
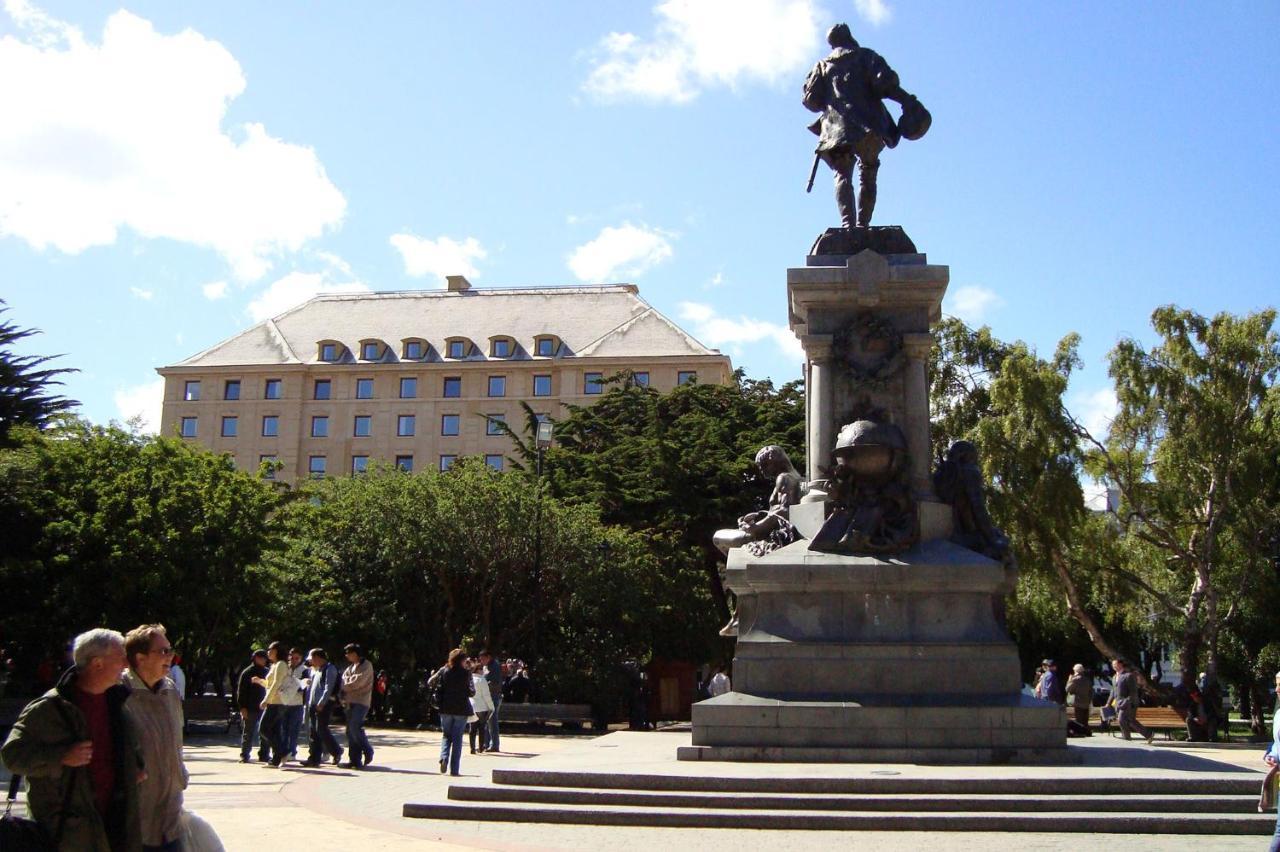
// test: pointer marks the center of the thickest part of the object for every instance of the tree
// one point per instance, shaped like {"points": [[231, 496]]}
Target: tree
{"points": [[24, 383], [105, 527], [676, 467]]}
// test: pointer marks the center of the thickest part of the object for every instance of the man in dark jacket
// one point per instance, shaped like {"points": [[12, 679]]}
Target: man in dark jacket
{"points": [[249, 697], [79, 753], [322, 698]]}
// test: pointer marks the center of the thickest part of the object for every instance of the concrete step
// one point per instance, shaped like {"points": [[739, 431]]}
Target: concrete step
{"points": [[1218, 784], [1057, 822], [917, 802]]}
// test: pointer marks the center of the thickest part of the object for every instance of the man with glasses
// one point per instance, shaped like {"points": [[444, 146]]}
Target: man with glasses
{"points": [[79, 753], [155, 708]]}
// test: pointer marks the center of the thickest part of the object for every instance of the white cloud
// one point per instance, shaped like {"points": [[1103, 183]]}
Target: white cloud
{"points": [[1096, 410], [128, 133], [699, 44], [728, 333], [440, 257], [144, 295], [214, 290], [874, 12], [716, 281], [971, 303], [294, 289], [626, 251], [142, 401]]}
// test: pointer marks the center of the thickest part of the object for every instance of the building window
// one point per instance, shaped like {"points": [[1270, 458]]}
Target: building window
{"points": [[359, 464], [494, 423], [189, 427], [323, 389], [592, 383], [369, 352], [191, 392], [363, 426], [641, 379], [269, 471], [452, 387], [449, 424], [230, 425], [458, 348], [545, 347], [364, 388], [408, 388], [497, 386], [316, 466], [685, 376], [405, 425], [501, 347], [542, 386], [446, 462], [270, 426], [271, 390], [405, 463], [320, 426], [328, 352], [494, 461], [413, 350], [231, 390]]}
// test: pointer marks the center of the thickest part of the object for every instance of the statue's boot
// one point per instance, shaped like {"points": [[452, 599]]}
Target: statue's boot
{"points": [[844, 198], [866, 195]]}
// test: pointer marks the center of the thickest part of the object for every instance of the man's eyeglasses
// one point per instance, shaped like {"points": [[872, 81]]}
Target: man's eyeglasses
{"points": [[168, 652]]}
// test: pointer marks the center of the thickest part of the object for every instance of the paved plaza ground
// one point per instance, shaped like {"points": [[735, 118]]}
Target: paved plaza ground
{"points": [[254, 807]]}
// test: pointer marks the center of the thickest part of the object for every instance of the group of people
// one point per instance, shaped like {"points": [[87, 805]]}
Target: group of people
{"points": [[1198, 702], [102, 749], [469, 692], [278, 690]]}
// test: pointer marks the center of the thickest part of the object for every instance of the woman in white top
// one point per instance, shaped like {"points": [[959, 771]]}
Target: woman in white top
{"points": [[482, 704]]}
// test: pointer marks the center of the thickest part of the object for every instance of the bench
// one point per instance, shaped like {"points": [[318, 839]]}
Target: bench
{"points": [[210, 709], [568, 715], [1158, 719]]}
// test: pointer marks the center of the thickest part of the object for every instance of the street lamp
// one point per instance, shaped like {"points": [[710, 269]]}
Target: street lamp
{"points": [[543, 441]]}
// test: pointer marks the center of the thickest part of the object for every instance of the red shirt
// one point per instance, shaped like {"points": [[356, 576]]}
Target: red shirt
{"points": [[102, 768]]}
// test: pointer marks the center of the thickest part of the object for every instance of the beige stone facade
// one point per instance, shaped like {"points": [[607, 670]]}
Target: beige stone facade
{"points": [[412, 377]]}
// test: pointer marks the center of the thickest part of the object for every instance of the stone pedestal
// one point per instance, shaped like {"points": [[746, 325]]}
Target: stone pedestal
{"points": [[872, 658]]}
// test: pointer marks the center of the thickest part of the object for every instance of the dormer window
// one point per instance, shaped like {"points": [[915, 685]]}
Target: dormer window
{"points": [[501, 347], [372, 350], [458, 347], [331, 351], [546, 346], [415, 350]]}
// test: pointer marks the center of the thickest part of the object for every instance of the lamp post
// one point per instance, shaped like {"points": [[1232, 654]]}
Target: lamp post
{"points": [[542, 440]]}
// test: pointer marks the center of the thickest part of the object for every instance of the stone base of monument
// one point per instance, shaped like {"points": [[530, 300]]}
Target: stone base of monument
{"points": [[865, 659]]}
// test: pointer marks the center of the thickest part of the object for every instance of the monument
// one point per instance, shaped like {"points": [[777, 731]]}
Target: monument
{"points": [[869, 616]]}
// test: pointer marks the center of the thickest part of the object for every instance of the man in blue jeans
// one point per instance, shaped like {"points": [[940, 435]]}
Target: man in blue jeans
{"points": [[357, 692], [493, 676]]}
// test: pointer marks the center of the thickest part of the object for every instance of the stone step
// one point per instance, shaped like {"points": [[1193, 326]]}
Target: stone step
{"points": [[1057, 822], [1218, 784], [917, 802]]}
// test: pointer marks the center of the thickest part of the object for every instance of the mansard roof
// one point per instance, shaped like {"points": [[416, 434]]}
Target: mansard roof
{"points": [[596, 321]]}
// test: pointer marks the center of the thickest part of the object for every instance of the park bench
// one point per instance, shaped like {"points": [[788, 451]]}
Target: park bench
{"points": [[1158, 719], [568, 715], [210, 710]]}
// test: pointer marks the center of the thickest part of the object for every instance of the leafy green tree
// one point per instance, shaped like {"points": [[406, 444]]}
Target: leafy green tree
{"points": [[25, 382], [105, 527]]}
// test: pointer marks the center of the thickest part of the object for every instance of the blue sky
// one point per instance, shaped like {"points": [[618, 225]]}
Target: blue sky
{"points": [[170, 173]]}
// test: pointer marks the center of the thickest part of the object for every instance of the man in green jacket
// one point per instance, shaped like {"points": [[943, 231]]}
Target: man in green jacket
{"points": [[79, 753]]}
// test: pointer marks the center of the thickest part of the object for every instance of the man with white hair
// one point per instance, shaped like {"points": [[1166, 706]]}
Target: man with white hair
{"points": [[79, 752]]}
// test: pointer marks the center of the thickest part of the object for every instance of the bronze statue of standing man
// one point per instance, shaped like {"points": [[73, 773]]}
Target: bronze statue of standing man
{"points": [[849, 88]]}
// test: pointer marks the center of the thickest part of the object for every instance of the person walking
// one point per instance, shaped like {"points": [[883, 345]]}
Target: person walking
{"points": [[493, 676], [155, 709], [322, 697], [1271, 757], [79, 753], [357, 691], [1125, 697], [281, 692], [293, 713], [482, 705], [1080, 691], [456, 689], [249, 699]]}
